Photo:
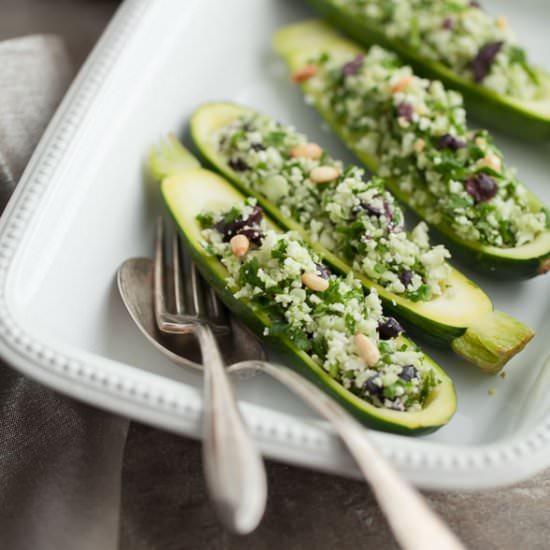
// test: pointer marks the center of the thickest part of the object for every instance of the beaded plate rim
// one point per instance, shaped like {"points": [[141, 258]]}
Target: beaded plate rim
{"points": [[172, 405]]}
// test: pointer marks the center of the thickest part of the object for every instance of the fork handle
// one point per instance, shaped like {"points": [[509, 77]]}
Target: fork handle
{"points": [[233, 468], [414, 524]]}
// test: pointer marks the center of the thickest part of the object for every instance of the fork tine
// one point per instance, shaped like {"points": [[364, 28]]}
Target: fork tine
{"points": [[165, 286], [190, 291], [195, 288], [158, 274], [216, 308], [193, 292], [179, 296]]}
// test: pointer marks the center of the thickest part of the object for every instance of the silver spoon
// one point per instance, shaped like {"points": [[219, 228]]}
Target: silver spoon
{"points": [[135, 285]]}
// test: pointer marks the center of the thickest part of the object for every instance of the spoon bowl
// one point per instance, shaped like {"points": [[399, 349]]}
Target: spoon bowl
{"points": [[135, 285]]}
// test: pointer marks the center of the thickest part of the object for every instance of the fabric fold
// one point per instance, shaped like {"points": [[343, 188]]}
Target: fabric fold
{"points": [[60, 460]]}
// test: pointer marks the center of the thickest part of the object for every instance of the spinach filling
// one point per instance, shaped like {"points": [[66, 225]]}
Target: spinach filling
{"points": [[330, 322], [417, 131], [357, 219], [461, 35]]}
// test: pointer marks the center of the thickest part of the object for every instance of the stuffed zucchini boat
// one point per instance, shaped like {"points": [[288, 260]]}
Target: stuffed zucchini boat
{"points": [[330, 328], [459, 43], [413, 132], [356, 224]]}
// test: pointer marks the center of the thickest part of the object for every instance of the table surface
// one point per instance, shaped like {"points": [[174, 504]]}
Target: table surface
{"points": [[305, 509]]}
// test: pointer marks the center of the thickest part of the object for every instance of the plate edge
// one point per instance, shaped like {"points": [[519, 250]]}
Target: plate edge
{"points": [[503, 463]]}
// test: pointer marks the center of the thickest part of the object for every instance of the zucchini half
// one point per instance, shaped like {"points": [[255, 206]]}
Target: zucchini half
{"points": [[300, 42], [189, 190], [463, 319], [529, 120]]}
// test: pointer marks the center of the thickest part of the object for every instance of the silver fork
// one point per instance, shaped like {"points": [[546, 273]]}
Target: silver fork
{"points": [[233, 468], [414, 524]]}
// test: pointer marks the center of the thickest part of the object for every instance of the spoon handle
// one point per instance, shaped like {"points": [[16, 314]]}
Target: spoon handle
{"points": [[233, 468], [414, 524]]}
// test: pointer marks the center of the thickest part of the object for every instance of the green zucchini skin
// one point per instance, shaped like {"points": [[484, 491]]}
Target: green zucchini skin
{"points": [[505, 264], [175, 191], [487, 107]]}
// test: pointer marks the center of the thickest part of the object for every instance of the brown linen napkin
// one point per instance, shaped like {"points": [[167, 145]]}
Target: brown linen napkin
{"points": [[35, 71], [60, 460]]}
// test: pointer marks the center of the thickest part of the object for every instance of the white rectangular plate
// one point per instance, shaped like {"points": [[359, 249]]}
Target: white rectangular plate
{"points": [[83, 207]]}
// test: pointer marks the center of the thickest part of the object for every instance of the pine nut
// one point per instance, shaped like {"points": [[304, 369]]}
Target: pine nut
{"points": [[420, 109], [403, 122], [419, 145], [502, 22], [314, 282], [305, 73], [239, 245], [308, 151], [492, 161], [367, 349], [401, 84], [480, 142], [323, 174]]}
